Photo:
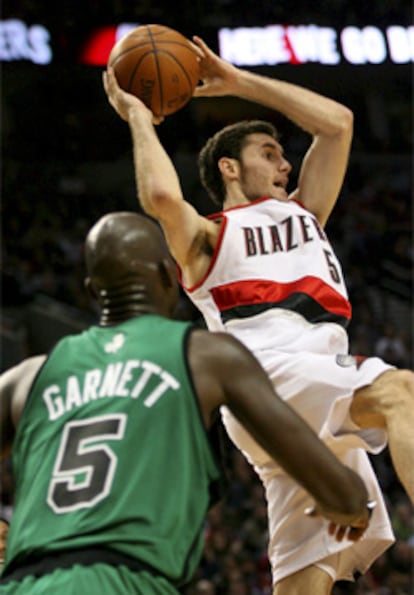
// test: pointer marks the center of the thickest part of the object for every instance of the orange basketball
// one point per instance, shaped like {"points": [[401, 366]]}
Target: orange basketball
{"points": [[157, 64]]}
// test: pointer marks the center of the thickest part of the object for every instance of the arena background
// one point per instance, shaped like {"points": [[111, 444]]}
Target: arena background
{"points": [[66, 160]]}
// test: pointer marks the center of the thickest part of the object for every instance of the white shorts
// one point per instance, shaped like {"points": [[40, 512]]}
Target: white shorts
{"points": [[319, 386]]}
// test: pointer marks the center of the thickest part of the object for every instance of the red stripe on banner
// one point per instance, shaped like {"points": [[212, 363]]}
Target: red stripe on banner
{"points": [[98, 47], [293, 57], [255, 291]]}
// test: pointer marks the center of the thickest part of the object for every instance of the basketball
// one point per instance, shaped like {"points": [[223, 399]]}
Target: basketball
{"points": [[157, 64]]}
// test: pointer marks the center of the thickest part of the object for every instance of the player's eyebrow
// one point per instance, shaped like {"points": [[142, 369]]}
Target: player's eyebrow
{"points": [[272, 145]]}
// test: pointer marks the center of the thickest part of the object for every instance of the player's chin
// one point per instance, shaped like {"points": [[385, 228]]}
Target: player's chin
{"points": [[280, 193]]}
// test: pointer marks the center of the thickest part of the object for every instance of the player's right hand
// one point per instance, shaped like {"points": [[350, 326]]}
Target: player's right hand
{"points": [[124, 103], [343, 526]]}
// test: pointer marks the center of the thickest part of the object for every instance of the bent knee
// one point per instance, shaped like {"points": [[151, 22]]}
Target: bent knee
{"points": [[399, 382], [407, 378], [391, 391]]}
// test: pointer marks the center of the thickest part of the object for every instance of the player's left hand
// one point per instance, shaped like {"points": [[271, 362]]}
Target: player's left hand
{"points": [[218, 76]]}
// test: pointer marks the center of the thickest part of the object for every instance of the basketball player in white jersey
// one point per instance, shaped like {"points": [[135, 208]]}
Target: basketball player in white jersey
{"points": [[264, 270]]}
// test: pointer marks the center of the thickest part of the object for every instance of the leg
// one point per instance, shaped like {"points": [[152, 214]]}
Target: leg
{"points": [[304, 582], [389, 403]]}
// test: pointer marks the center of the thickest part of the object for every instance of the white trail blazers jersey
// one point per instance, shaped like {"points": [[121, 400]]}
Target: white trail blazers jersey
{"points": [[275, 283], [271, 255]]}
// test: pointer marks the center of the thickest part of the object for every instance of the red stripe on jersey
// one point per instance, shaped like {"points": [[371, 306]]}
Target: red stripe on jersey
{"points": [[190, 289], [238, 207], [255, 291]]}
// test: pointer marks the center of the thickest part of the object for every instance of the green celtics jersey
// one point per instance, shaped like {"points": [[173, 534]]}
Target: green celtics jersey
{"points": [[111, 450]]}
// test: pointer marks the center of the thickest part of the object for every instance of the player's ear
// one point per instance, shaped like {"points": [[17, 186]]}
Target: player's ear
{"points": [[90, 288], [229, 168], [167, 273]]}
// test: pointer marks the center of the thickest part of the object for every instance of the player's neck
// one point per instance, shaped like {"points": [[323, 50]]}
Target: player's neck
{"points": [[119, 307], [111, 317], [235, 199]]}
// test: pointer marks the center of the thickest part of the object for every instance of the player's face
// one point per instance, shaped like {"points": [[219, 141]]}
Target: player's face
{"points": [[264, 170]]}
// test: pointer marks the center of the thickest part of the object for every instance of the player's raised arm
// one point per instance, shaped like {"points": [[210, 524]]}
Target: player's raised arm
{"points": [[329, 122], [158, 185]]}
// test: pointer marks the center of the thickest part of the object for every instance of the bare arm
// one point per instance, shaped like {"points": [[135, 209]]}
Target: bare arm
{"points": [[15, 384], [158, 186], [225, 372], [329, 122]]}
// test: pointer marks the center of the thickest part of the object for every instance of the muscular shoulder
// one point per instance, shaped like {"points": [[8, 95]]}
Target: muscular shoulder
{"points": [[20, 372], [212, 357], [220, 365], [216, 350], [15, 384]]}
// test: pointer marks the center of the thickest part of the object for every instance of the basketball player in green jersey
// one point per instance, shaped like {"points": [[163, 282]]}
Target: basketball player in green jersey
{"points": [[112, 461]]}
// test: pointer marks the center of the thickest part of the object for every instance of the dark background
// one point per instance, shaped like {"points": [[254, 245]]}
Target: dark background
{"points": [[66, 160]]}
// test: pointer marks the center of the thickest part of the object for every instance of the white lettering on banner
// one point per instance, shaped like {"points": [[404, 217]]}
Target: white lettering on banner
{"points": [[275, 49], [20, 42], [245, 46], [401, 44], [255, 45], [362, 46], [124, 29], [351, 45], [277, 44], [313, 44], [374, 45]]}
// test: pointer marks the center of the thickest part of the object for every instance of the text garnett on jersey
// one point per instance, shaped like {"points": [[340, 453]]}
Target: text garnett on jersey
{"points": [[120, 379]]}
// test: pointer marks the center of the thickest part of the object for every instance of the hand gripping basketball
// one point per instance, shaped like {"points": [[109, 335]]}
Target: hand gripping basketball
{"points": [[157, 64]]}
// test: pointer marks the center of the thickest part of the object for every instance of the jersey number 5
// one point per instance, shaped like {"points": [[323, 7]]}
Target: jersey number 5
{"points": [[333, 270], [85, 465]]}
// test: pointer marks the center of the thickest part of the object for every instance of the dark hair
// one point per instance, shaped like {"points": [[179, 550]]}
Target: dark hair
{"points": [[227, 142]]}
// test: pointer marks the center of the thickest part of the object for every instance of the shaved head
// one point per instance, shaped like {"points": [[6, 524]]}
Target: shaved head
{"points": [[128, 261], [122, 244]]}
